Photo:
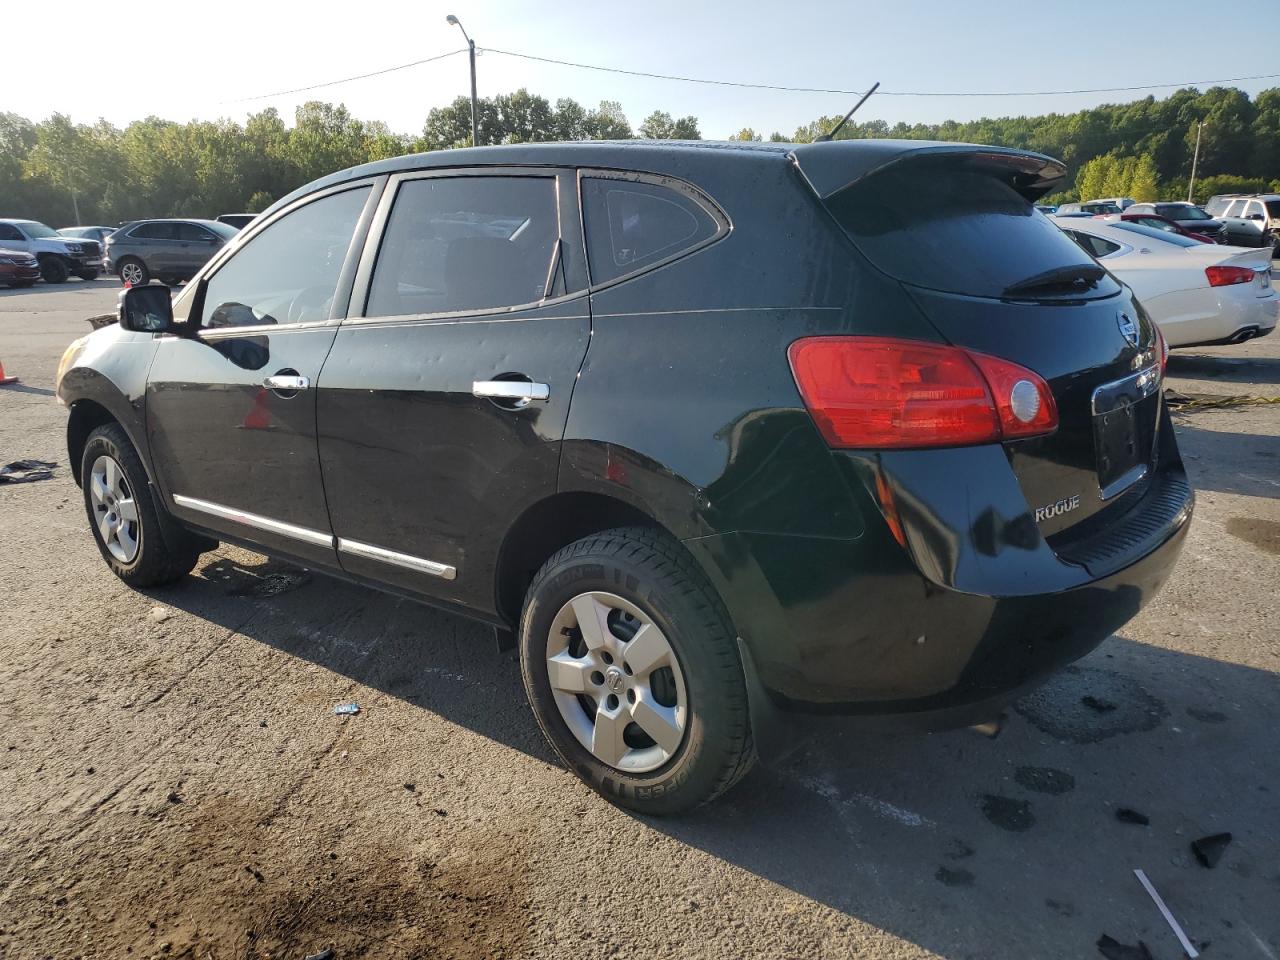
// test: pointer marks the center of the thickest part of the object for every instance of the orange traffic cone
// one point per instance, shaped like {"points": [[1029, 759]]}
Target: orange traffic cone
{"points": [[3, 378]]}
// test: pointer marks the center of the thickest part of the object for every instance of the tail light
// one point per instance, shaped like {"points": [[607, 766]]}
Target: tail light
{"points": [[1226, 276], [879, 392], [1163, 345]]}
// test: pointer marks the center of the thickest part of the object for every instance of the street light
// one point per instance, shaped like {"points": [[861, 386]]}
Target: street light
{"points": [[471, 45]]}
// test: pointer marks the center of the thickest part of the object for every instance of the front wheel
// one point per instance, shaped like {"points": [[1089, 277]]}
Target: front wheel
{"points": [[133, 273], [54, 270], [88, 274], [141, 544], [631, 665]]}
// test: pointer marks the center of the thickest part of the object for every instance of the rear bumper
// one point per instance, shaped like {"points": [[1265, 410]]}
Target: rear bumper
{"points": [[1214, 315], [977, 609]]}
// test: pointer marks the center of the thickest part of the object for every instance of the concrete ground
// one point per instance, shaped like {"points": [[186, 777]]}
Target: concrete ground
{"points": [[173, 781]]}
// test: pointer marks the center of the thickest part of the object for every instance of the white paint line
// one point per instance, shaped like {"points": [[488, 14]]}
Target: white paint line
{"points": [[1182, 937]]}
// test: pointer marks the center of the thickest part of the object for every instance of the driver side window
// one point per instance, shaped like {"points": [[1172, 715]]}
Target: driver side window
{"points": [[289, 272]]}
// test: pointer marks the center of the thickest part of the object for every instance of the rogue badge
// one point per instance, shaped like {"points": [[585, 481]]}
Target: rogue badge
{"points": [[1057, 509]]}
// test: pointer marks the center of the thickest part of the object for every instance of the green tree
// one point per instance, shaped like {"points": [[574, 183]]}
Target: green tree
{"points": [[659, 126], [746, 134]]}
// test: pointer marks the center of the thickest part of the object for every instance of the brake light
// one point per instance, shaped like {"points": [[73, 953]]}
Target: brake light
{"points": [[1164, 347], [880, 392], [1226, 276]]}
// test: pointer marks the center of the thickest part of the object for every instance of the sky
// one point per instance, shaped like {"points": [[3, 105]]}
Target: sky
{"points": [[217, 59]]}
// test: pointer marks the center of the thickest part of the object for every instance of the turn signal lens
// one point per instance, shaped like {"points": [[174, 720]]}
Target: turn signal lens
{"points": [[1226, 276], [885, 393]]}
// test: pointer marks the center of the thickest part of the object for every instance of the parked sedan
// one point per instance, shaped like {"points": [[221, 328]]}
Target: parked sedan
{"points": [[172, 250], [1186, 215], [918, 464], [1198, 293], [18, 268]]}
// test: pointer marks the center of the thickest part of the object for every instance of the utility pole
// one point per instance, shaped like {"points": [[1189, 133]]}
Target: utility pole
{"points": [[1195, 160], [471, 47]]}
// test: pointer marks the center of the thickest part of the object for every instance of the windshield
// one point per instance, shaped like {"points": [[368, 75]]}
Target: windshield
{"points": [[38, 229], [1182, 211], [1177, 239]]}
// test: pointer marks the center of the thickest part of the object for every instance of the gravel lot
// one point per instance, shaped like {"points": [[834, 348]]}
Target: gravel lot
{"points": [[173, 781]]}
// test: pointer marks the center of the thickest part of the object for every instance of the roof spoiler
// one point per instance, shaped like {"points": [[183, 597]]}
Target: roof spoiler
{"points": [[835, 165]]}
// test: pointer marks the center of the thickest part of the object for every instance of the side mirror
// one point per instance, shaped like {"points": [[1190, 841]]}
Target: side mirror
{"points": [[147, 309]]}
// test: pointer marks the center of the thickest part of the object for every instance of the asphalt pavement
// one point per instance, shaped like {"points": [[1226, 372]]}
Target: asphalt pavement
{"points": [[174, 782]]}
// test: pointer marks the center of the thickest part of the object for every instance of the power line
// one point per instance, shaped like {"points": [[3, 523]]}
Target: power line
{"points": [[334, 83], [883, 93]]}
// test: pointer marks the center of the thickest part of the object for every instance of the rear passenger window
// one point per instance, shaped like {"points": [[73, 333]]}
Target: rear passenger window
{"points": [[154, 231], [455, 244], [631, 225]]}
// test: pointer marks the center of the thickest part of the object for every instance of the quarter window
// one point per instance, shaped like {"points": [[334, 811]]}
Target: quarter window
{"points": [[1096, 246], [456, 244], [631, 225], [288, 273]]}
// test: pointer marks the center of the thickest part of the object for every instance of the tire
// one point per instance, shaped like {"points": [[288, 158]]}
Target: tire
{"points": [[642, 580], [54, 270], [88, 274], [133, 271], [162, 551]]}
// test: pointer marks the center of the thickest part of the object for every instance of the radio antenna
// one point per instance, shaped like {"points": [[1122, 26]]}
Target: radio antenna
{"points": [[827, 136]]}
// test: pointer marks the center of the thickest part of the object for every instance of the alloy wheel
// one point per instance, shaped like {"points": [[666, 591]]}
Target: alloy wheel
{"points": [[114, 509], [131, 273], [617, 682]]}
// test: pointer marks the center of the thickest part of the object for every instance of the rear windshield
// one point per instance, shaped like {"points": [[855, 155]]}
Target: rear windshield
{"points": [[935, 224]]}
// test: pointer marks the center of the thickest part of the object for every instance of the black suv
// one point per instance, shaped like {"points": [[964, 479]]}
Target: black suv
{"points": [[721, 435]]}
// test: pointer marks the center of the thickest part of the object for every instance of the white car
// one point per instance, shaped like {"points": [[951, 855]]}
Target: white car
{"points": [[1198, 293]]}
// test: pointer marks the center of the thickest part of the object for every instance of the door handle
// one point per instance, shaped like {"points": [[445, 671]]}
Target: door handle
{"points": [[521, 391], [286, 382]]}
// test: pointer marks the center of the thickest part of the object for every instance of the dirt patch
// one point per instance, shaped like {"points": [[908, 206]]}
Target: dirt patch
{"points": [[1045, 780], [954, 878], [1263, 534], [1008, 813], [1066, 707], [267, 579], [213, 883]]}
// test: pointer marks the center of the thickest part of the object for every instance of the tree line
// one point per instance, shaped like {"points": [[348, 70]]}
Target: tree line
{"points": [[55, 170]]}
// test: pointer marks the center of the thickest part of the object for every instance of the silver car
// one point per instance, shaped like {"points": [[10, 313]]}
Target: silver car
{"points": [[172, 250]]}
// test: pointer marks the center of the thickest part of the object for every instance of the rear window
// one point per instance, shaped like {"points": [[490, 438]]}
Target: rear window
{"points": [[632, 225], [155, 231], [935, 225]]}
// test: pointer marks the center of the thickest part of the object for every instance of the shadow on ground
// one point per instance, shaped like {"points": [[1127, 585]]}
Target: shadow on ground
{"points": [[1249, 370], [1229, 462], [965, 846]]}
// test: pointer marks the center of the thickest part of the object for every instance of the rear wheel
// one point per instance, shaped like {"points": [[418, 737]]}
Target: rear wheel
{"points": [[88, 274], [54, 270], [141, 543], [133, 272], [631, 666]]}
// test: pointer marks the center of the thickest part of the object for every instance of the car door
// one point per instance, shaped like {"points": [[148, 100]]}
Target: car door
{"points": [[195, 246], [230, 406], [154, 243], [444, 399], [1253, 223], [1233, 221]]}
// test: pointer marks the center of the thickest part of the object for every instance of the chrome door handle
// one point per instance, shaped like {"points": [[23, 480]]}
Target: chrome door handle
{"points": [[281, 382], [519, 390]]}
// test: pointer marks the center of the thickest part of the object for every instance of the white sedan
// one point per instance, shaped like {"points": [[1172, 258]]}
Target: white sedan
{"points": [[1198, 293]]}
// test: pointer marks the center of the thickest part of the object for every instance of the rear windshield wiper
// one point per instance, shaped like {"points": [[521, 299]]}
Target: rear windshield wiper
{"points": [[1075, 278]]}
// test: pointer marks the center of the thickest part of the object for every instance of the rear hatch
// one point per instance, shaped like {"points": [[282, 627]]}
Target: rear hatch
{"points": [[956, 225]]}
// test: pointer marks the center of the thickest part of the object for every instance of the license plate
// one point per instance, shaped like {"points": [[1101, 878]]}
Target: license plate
{"points": [[1124, 424]]}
